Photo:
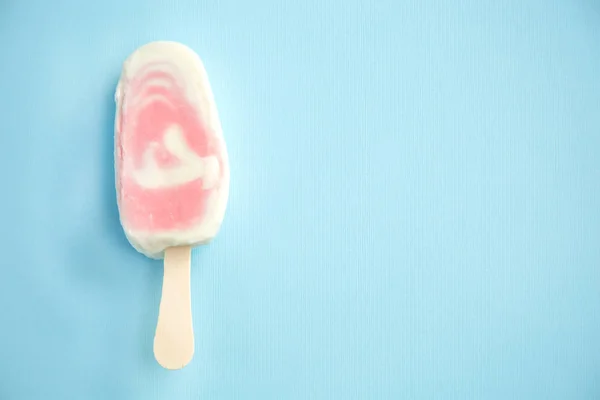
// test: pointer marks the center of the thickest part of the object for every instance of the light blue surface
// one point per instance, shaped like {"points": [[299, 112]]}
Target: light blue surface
{"points": [[414, 209]]}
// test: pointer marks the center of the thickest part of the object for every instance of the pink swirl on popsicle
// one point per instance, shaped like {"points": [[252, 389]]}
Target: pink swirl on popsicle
{"points": [[170, 159]]}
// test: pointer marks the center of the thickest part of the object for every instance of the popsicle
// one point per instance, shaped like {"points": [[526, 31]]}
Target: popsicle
{"points": [[172, 176]]}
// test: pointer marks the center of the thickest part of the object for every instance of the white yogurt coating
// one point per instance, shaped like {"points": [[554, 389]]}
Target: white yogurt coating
{"points": [[198, 93]]}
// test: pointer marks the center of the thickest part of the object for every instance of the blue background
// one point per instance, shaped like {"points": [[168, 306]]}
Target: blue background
{"points": [[414, 209]]}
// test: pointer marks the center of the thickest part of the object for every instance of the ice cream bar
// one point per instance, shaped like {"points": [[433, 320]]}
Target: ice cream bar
{"points": [[172, 176]]}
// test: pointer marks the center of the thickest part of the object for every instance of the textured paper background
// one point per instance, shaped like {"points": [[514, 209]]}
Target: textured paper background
{"points": [[414, 214]]}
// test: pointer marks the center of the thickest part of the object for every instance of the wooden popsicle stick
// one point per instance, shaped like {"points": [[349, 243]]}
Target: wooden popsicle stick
{"points": [[174, 338]]}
